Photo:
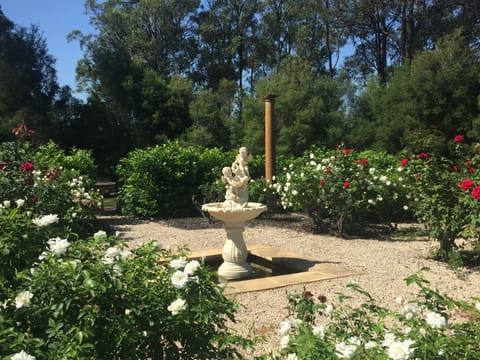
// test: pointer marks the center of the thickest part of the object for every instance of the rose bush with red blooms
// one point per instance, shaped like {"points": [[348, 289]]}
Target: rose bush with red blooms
{"points": [[442, 196], [404, 162], [308, 294], [342, 192]]}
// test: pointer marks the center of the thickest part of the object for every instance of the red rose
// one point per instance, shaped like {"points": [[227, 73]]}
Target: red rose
{"points": [[476, 193], [27, 167], [22, 130], [347, 151], [307, 294], [466, 184], [346, 184], [404, 162], [471, 170], [468, 163], [422, 155], [455, 168], [364, 161], [458, 138], [322, 298], [34, 199], [2, 166], [328, 171], [322, 182]]}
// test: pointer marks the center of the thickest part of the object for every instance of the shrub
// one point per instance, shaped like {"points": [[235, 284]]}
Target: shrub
{"points": [[421, 330], [160, 181], [94, 299], [37, 189], [341, 189], [445, 194]]}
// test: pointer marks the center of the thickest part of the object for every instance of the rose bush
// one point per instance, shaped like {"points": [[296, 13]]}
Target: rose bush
{"points": [[444, 196], [421, 328], [94, 299], [342, 189], [41, 197]]}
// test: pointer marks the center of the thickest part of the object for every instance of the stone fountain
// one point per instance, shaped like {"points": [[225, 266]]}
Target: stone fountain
{"points": [[233, 212]]}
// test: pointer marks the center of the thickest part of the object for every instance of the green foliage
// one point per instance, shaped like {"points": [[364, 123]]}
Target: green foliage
{"points": [[424, 328], [162, 180]]}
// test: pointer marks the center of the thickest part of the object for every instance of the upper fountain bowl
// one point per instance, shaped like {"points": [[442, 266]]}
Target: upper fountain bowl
{"points": [[234, 213]]}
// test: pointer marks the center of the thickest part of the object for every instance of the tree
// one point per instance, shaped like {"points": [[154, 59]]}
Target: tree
{"points": [[28, 83], [426, 104], [137, 64], [306, 107], [211, 113]]}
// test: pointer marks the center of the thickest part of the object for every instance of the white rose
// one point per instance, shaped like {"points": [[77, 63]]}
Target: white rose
{"points": [[345, 351], [176, 306], [319, 331], [191, 267], [46, 220], [99, 235], [400, 350], [284, 341], [58, 246], [178, 263], [23, 299], [436, 320], [20, 202], [22, 355], [179, 279]]}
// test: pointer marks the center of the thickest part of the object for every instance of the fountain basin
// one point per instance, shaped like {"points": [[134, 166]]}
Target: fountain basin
{"points": [[233, 213]]}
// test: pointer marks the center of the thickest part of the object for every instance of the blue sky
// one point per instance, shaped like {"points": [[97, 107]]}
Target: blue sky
{"points": [[55, 19]]}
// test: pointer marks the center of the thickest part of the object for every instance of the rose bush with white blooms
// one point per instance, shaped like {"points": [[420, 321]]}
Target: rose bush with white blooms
{"points": [[431, 326], [94, 299]]}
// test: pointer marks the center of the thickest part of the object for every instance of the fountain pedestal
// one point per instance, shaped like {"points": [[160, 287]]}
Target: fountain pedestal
{"points": [[234, 254]]}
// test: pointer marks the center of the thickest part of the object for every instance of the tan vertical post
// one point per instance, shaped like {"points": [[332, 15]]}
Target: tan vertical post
{"points": [[269, 137]]}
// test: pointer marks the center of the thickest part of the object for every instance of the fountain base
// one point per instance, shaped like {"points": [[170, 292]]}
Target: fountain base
{"points": [[230, 270]]}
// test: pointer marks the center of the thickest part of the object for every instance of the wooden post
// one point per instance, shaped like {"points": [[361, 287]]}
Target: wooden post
{"points": [[269, 137]]}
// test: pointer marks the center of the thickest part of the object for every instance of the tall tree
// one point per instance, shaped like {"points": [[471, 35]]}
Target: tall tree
{"points": [[28, 82], [426, 103], [137, 63], [372, 26], [226, 30]]}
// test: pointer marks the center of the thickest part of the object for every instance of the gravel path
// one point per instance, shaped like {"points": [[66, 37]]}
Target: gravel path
{"points": [[382, 264]]}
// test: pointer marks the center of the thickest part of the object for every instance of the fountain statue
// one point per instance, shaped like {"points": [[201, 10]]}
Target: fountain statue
{"points": [[234, 211]]}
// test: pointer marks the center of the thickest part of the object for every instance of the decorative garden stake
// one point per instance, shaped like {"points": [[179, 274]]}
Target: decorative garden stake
{"points": [[234, 211]]}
